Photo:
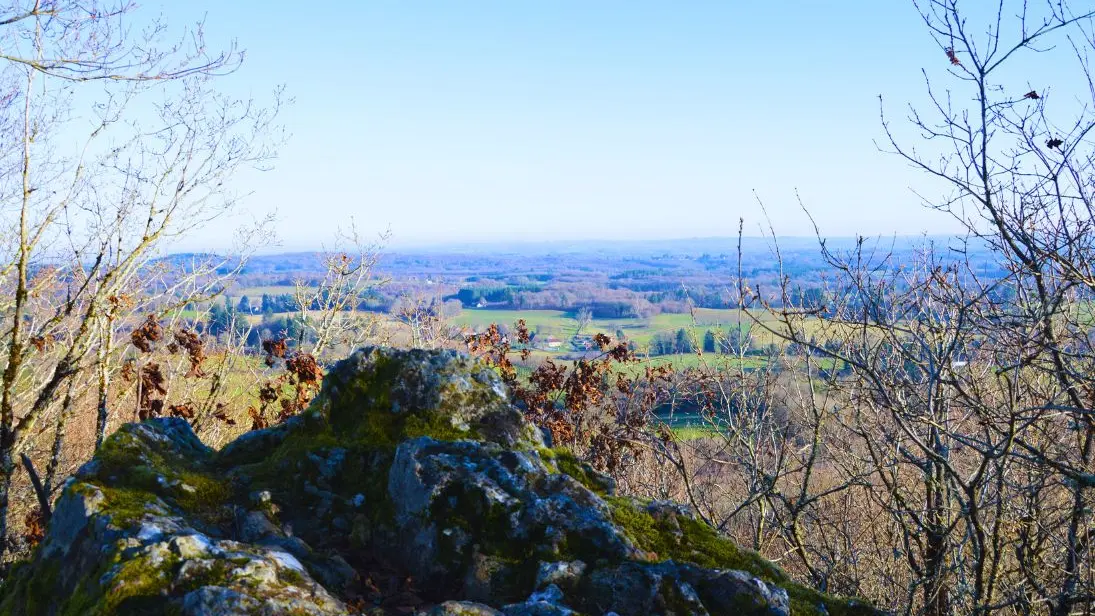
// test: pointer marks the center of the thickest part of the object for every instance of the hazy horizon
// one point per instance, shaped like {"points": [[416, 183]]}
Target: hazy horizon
{"points": [[672, 245]]}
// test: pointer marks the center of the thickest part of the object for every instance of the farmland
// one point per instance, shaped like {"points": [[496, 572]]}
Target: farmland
{"points": [[665, 301], [564, 325]]}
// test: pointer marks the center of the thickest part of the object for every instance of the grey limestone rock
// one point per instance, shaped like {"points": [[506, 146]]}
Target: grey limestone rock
{"points": [[410, 485]]}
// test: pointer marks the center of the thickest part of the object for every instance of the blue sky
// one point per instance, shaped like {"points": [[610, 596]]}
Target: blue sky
{"points": [[480, 121]]}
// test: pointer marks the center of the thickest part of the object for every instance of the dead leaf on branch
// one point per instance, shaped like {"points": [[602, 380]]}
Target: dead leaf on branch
{"points": [[148, 333]]}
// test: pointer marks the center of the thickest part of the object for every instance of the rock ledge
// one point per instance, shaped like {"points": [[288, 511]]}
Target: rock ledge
{"points": [[410, 486]]}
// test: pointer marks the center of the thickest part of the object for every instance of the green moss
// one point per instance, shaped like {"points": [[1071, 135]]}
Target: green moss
{"points": [[362, 410], [299, 443], [138, 586], [683, 539], [360, 398], [137, 472], [566, 462], [29, 591], [205, 496], [124, 459], [290, 576], [435, 425], [382, 427], [364, 469], [806, 601], [216, 574], [126, 506]]}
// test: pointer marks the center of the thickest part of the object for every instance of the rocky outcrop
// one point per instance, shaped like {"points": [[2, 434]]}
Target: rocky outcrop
{"points": [[409, 486]]}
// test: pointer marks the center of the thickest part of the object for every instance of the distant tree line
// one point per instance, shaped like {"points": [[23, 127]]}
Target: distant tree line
{"points": [[731, 342], [286, 302]]}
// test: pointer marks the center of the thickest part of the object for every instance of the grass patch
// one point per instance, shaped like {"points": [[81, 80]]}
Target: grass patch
{"points": [[694, 433]]}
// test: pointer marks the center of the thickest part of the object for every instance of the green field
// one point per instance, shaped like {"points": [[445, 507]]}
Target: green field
{"points": [[706, 360], [561, 323], [641, 331], [548, 321]]}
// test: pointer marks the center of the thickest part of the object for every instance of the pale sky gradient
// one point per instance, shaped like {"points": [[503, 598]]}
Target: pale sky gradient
{"points": [[490, 120]]}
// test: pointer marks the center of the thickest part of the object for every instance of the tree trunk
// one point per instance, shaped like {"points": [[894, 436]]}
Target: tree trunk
{"points": [[59, 438], [936, 588], [106, 340]]}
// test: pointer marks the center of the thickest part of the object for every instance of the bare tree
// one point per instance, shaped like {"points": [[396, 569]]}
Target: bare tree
{"points": [[329, 309], [966, 405], [583, 317], [160, 145]]}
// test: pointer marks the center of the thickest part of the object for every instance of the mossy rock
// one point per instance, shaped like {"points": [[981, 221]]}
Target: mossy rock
{"points": [[668, 532], [385, 396], [409, 464], [146, 528]]}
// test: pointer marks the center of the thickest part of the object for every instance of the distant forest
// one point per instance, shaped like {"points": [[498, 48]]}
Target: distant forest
{"points": [[614, 280]]}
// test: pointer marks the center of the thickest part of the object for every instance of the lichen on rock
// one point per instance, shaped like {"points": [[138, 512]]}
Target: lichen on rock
{"points": [[410, 485]]}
